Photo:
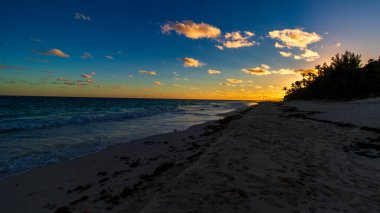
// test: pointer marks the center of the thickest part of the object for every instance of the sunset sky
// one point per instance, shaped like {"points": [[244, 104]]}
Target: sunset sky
{"points": [[176, 49]]}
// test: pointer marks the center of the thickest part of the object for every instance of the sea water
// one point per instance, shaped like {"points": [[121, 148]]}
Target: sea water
{"points": [[36, 131]]}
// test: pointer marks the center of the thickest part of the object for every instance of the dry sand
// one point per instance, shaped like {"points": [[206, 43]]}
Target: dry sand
{"points": [[276, 157]]}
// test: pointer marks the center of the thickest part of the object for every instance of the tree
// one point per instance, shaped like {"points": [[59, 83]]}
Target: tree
{"points": [[345, 78]]}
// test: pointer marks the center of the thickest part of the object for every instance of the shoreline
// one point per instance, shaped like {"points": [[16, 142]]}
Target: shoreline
{"points": [[172, 140], [118, 140], [273, 157]]}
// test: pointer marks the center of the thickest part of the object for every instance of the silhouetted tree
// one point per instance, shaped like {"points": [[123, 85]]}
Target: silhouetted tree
{"points": [[345, 78]]}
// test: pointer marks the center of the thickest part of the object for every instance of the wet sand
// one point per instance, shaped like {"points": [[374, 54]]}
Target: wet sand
{"points": [[275, 157]]}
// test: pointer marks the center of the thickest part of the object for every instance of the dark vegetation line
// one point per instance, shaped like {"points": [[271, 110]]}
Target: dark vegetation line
{"points": [[344, 79]]}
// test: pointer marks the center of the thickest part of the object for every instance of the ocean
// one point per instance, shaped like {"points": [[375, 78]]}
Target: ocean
{"points": [[36, 131]]}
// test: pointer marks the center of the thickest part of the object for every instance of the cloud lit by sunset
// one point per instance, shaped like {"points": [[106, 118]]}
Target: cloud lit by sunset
{"points": [[126, 48]]}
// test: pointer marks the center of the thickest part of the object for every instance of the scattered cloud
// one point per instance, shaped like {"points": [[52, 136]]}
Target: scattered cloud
{"points": [[237, 39], [86, 76], [108, 57], [81, 83], [301, 71], [219, 47], [55, 52], [77, 82], [66, 81], [227, 84], [130, 76], [177, 85], [293, 72], [86, 55], [191, 62], [158, 83], [81, 16], [295, 37], [338, 44], [256, 71], [285, 54], [234, 81], [35, 39], [147, 72], [264, 66], [212, 72], [250, 34], [192, 30], [278, 45], [7, 67], [284, 72], [258, 87], [93, 73], [308, 55]]}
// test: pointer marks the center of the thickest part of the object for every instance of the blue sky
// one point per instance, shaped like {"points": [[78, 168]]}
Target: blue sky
{"points": [[123, 37]]}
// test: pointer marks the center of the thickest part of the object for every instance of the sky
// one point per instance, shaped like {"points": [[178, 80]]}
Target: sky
{"points": [[235, 50]]}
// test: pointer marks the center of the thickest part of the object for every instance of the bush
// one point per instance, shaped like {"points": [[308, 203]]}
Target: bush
{"points": [[344, 79]]}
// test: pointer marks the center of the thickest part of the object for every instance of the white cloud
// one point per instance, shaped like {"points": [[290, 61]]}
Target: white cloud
{"points": [[86, 76], [295, 37], [284, 72], [338, 44], [264, 66], [147, 72], [278, 45], [234, 81], [158, 83], [108, 57], [177, 85], [285, 54], [86, 55], [256, 71], [192, 62], [250, 34], [219, 47], [308, 55], [237, 40], [293, 72], [212, 72], [81, 16], [55, 52], [192, 30]]}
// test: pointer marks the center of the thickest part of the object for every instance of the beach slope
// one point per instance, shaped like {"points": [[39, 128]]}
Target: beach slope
{"points": [[276, 157]]}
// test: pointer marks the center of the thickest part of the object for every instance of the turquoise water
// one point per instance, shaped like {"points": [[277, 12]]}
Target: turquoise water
{"points": [[36, 131]]}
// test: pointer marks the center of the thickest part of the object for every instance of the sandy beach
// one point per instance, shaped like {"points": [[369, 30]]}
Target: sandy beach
{"points": [[274, 157]]}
